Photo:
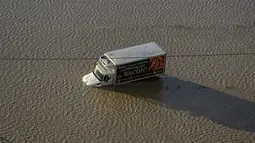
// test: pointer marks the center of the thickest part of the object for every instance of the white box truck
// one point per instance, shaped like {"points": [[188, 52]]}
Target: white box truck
{"points": [[127, 65]]}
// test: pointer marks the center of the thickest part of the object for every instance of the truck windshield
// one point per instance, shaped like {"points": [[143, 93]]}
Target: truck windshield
{"points": [[98, 74]]}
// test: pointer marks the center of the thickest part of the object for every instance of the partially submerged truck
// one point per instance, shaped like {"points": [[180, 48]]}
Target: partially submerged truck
{"points": [[127, 65]]}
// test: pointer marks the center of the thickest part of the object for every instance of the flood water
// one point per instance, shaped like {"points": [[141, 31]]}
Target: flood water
{"points": [[47, 46]]}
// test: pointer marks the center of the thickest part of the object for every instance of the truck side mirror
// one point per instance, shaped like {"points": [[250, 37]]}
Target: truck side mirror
{"points": [[106, 78]]}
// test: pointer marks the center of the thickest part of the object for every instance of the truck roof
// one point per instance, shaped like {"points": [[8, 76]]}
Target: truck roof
{"points": [[135, 53]]}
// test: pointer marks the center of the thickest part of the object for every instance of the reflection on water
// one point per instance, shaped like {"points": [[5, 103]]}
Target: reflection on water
{"points": [[182, 95], [150, 89]]}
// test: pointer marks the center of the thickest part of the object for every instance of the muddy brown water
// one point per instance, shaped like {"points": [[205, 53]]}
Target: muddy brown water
{"points": [[47, 46]]}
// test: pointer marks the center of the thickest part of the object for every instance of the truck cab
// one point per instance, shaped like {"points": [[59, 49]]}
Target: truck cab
{"points": [[102, 75]]}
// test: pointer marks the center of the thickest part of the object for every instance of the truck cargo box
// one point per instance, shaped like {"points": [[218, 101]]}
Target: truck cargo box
{"points": [[128, 65], [135, 53]]}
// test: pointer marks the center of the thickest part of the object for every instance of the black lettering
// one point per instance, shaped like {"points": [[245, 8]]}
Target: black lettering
{"points": [[135, 71]]}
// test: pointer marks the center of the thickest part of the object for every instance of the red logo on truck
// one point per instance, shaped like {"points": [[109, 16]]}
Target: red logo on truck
{"points": [[156, 63]]}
